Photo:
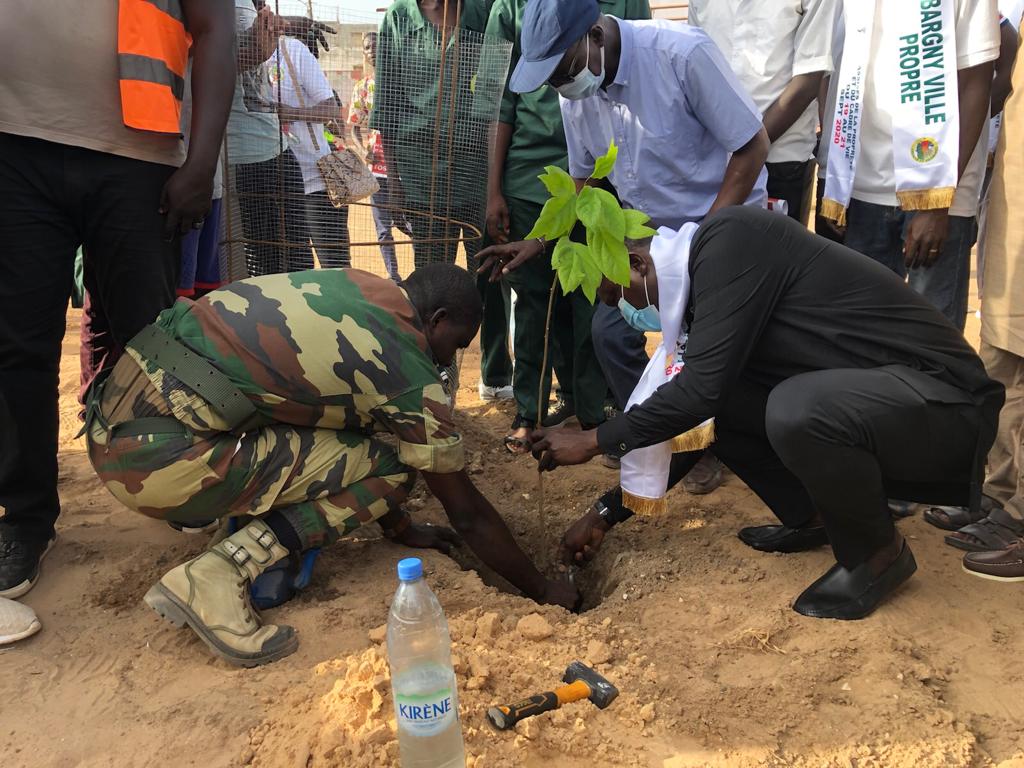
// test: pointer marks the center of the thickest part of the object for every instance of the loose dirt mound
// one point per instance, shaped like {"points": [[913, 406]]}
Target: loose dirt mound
{"points": [[696, 631]]}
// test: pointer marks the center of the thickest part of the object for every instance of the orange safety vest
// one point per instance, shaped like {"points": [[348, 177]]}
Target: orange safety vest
{"points": [[152, 54]]}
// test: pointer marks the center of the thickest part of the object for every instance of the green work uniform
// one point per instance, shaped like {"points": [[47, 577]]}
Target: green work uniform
{"points": [[433, 107], [327, 359], [538, 140]]}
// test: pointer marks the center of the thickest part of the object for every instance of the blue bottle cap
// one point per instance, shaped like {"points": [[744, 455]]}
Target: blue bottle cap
{"points": [[410, 569]]}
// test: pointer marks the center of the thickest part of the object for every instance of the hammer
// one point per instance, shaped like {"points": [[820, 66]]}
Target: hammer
{"points": [[583, 683]]}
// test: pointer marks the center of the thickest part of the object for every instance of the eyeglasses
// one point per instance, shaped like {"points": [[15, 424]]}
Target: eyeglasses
{"points": [[557, 80]]}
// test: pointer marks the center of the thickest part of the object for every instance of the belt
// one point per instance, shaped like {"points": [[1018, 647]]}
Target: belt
{"points": [[196, 373]]}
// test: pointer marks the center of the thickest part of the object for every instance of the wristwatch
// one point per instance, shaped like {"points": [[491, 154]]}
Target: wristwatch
{"points": [[611, 517]]}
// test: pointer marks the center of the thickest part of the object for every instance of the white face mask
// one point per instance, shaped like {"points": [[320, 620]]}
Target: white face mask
{"points": [[586, 83]]}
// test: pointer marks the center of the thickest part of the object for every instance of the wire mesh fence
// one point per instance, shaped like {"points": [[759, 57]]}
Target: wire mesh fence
{"points": [[372, 155]]}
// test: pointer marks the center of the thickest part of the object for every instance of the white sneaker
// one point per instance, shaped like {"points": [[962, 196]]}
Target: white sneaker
{"points": [[489, 394], [17, 621]]}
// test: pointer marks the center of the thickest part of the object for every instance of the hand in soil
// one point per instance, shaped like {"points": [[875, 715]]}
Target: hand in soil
{"points": [[429, 537], [560, 447], [562, 592], [583, 539]]}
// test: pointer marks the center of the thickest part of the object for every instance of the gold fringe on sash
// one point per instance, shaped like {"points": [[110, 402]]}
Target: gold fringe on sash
{"points": [[924, 199], [696, 439], [834, 211], [643, 507]]}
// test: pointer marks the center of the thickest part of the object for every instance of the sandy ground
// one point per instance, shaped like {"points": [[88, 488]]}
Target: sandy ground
{"points": [[694, 629]]}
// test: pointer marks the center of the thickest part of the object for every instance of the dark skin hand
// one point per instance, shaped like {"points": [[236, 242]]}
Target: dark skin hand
{"points": [[499, 260], [562, 447], [312, 33], [583, 539], [426, 536], [498, 218], [928, 230], [484, 531], [186, 197]]}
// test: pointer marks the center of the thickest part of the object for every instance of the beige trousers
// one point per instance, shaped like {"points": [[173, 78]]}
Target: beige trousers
{"points": [[1005, 480]]}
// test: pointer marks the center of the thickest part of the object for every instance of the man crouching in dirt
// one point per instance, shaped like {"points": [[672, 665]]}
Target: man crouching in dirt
{"points": [[831, 384], [261, 399]]}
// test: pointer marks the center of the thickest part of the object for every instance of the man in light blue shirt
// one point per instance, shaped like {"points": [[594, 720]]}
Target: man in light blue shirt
{"points": [[688, 134], [690, 139]]}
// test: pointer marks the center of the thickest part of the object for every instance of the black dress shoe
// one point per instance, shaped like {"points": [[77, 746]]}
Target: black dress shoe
{"points": [[853, 594], [779, 538]]}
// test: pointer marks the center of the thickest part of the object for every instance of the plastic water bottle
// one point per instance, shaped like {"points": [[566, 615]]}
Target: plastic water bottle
{"points": [[422, 679]]}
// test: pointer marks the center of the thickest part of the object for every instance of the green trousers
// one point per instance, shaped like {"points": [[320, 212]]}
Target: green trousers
{"points": [[571, 351]]}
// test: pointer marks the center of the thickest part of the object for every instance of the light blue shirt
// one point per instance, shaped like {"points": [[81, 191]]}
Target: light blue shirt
{"points": [[253, 132], [676, 112]]}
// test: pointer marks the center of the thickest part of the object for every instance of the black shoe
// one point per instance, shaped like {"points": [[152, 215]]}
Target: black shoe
{"points": [[561, 413], [846, 594], [19, 564], [779, 538]]}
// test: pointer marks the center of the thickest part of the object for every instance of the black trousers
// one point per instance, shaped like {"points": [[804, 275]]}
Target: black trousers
{"points": [[272, 203], [840, 443], [790, 181], [54, 198]]}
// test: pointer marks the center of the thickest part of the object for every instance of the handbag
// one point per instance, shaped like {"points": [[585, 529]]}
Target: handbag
{"points": [[346, 177]]}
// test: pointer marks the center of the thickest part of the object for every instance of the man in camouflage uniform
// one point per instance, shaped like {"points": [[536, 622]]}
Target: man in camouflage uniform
{"points": [[261, 399]]}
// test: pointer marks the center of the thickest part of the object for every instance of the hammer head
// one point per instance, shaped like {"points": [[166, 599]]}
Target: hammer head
{"points": [[602, 693]]}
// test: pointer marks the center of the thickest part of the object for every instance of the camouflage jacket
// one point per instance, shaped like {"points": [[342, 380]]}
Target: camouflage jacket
{"points": [[336, 349]]}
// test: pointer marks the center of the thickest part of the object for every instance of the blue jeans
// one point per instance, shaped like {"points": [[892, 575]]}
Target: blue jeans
{"points": [[384, 218], [620, 350], [878, 231]]}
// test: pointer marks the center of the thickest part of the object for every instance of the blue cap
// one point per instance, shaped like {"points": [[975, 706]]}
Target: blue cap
{"points": [[410, 569], [550, 28]]}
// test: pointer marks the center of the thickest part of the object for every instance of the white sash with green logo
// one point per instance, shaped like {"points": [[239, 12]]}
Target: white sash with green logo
{"points": [[925, 115]]}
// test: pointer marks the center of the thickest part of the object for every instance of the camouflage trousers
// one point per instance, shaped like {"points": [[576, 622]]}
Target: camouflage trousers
{"points": [[326, 483]]}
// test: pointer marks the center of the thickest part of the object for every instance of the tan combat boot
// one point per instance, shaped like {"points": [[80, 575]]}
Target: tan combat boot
{"points": [[210, 593]]}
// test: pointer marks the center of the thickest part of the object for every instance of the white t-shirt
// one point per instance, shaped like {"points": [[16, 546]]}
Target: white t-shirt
{"points": [[306, 139], [977, 41], [768, 43]]}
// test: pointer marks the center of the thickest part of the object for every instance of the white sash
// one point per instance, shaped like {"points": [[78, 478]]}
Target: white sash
{"points": [[925, 115], [644, 472]]}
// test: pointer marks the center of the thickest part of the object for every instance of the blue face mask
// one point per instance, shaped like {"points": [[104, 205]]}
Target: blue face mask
{"points": [[586, 83], [645, 320]]}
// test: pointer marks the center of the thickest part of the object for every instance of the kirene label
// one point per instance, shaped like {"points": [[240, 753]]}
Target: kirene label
{"points": [[424, 701]]}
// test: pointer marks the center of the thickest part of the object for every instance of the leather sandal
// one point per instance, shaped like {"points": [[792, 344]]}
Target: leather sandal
{"points": [[518, 446], [999, 530], [955, 518]]}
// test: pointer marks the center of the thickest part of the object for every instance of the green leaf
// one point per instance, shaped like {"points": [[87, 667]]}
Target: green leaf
{"points": [[610, 255], [604, 164], [557, 218], [558, 182], [592, 275], [570, 264], [635, 221], [598, 209]]}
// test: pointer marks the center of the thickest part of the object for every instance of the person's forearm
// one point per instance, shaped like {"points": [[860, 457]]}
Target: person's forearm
{"points": [[482, 528], [792, 102], [1001, 85], [975, 89], [501, 138], [212, 26], [742, 171], [319, 113], [826, 82]]}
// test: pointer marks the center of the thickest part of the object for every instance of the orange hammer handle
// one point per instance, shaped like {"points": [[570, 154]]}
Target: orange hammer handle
{"points": [[505, 718]]}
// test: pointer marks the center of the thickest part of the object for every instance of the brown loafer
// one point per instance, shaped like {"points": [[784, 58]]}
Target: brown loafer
{"points": [[705, 476], [1004, 565]]}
